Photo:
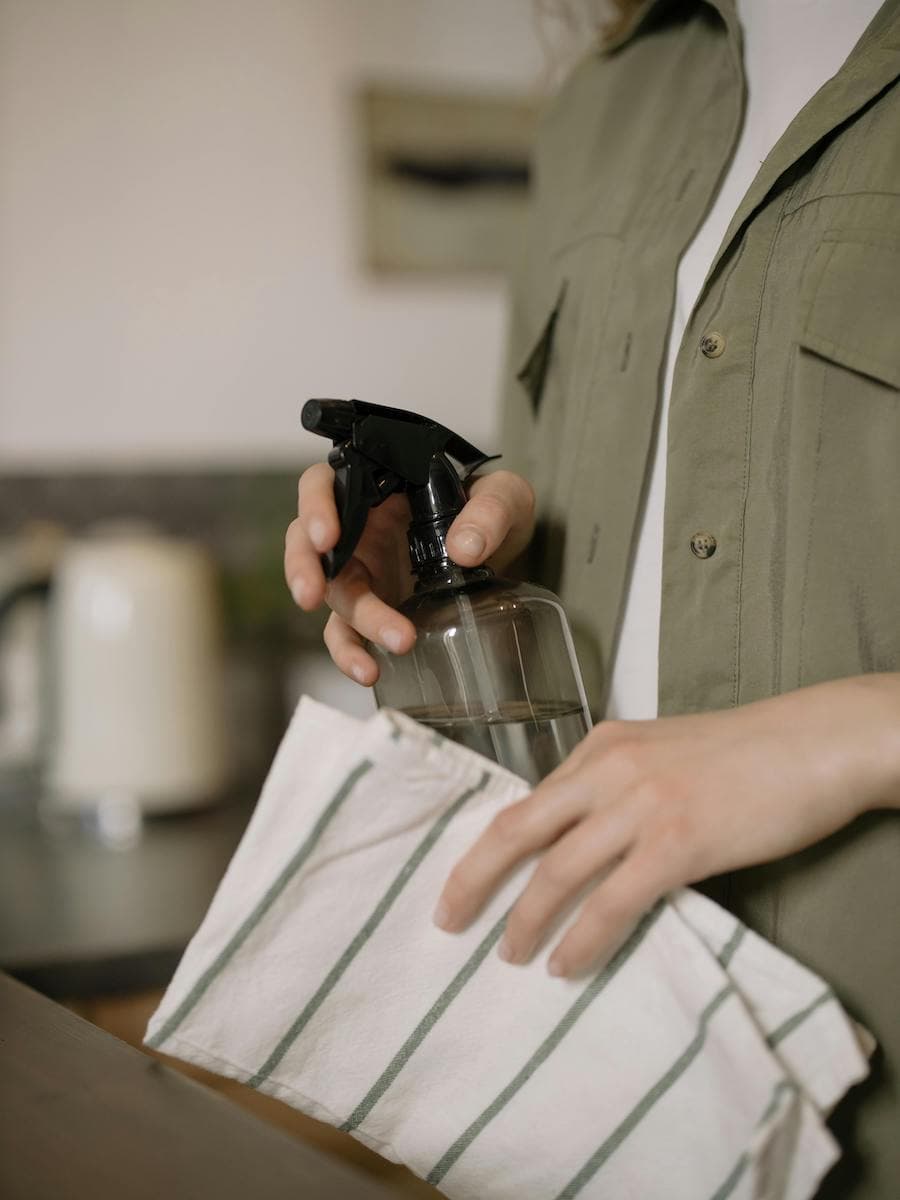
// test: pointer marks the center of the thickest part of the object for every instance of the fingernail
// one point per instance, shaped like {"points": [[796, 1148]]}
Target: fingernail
{"points": [[359, 672], [317, 533], [298, 591], [555, 966], [441, 916], [391, 639], [506, 951], [469, 541]]}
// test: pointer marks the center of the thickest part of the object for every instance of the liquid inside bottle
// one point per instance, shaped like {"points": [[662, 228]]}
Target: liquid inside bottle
{"points": [[528, 741], [493, 669]]}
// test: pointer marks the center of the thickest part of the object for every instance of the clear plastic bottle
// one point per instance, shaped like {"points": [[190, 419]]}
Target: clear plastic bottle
{"points": [[493, 666]]}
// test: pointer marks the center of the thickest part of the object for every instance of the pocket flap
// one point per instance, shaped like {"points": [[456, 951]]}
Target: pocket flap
{"points": [[854, 316], [533, 374]]}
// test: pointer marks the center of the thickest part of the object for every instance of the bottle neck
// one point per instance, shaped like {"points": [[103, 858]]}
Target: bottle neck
{"points": [[434, 506], [440, 573]]}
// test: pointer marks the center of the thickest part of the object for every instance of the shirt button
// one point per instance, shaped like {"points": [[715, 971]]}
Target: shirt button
{"points": [[712, 344], [703, 545]]}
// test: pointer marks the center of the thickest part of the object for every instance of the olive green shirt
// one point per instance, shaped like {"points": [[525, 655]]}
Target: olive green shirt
{"points": [[781, 559]]}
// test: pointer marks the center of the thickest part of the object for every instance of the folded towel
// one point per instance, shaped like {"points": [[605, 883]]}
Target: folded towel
{"points": [[696, 1065]]}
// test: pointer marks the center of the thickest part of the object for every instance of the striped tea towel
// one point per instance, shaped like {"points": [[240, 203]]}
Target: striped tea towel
{"points": [[696, 1065]]}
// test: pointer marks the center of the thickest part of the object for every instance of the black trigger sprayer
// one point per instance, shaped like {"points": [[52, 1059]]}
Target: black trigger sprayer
{"points": [[379, 451], [493, 666]]}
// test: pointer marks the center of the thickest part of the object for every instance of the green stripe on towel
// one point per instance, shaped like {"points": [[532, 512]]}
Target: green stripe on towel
{"points": [[788, 1026], [736, 1173], [783, 1085], [421, 1031], [605, 1151], [546, 1048], [727, 953], [270, 896], [368, 928]]}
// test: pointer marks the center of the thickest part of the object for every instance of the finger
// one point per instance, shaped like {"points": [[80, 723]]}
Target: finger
{"points": [[348, 652], [610, 913], [515, 833], [303, 567], [316, 507], [589, 848], [351, 597], [499, 513]]}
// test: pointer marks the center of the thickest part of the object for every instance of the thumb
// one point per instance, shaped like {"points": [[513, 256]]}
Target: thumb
{"points": [[497, 521]]}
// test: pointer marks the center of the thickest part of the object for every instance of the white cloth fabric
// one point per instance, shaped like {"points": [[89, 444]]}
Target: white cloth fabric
{"points": [[696, 1065], [791, 48]]}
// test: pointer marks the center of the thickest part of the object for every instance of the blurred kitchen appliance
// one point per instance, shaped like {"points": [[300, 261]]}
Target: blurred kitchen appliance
{"points": [[26, 562], [139, 708]]}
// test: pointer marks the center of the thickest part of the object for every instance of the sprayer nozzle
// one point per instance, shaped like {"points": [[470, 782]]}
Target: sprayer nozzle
{"points": [[311, 415], [330, 418]]}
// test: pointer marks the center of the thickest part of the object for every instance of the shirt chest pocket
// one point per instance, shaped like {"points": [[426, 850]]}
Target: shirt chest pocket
{"points": [[557, 370], [852, 317], [845, 488]]}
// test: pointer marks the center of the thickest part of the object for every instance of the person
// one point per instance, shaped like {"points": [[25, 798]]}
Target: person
{"points": [[703, 424]]}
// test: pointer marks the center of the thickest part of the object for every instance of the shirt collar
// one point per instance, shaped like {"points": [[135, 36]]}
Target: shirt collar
{"points": [[638, 19]]}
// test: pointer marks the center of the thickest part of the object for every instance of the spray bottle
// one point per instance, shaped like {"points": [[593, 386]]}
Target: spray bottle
{"points": [[493, 666]]}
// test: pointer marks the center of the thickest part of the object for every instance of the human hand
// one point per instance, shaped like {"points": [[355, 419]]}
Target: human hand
{"points": [[644, 807], [496, 524]]}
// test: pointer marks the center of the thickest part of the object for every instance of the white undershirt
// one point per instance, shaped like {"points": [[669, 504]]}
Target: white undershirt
{"points": [[791, 48]]}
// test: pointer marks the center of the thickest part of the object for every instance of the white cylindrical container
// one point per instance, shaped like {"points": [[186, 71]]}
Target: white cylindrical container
{"points": [[138, 673]]}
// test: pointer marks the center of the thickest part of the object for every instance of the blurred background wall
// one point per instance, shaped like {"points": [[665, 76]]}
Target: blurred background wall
{"points": [[179, 226]]}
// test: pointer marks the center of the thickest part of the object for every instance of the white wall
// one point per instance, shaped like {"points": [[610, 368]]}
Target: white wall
{"points": [[178, 234]]}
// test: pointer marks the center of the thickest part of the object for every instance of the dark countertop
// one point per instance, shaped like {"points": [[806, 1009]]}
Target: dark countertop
{"points": [[78, 918], [84, 1115]]}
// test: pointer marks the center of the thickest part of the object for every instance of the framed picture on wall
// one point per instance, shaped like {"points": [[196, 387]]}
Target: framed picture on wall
{"points": [[445, 179]]}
